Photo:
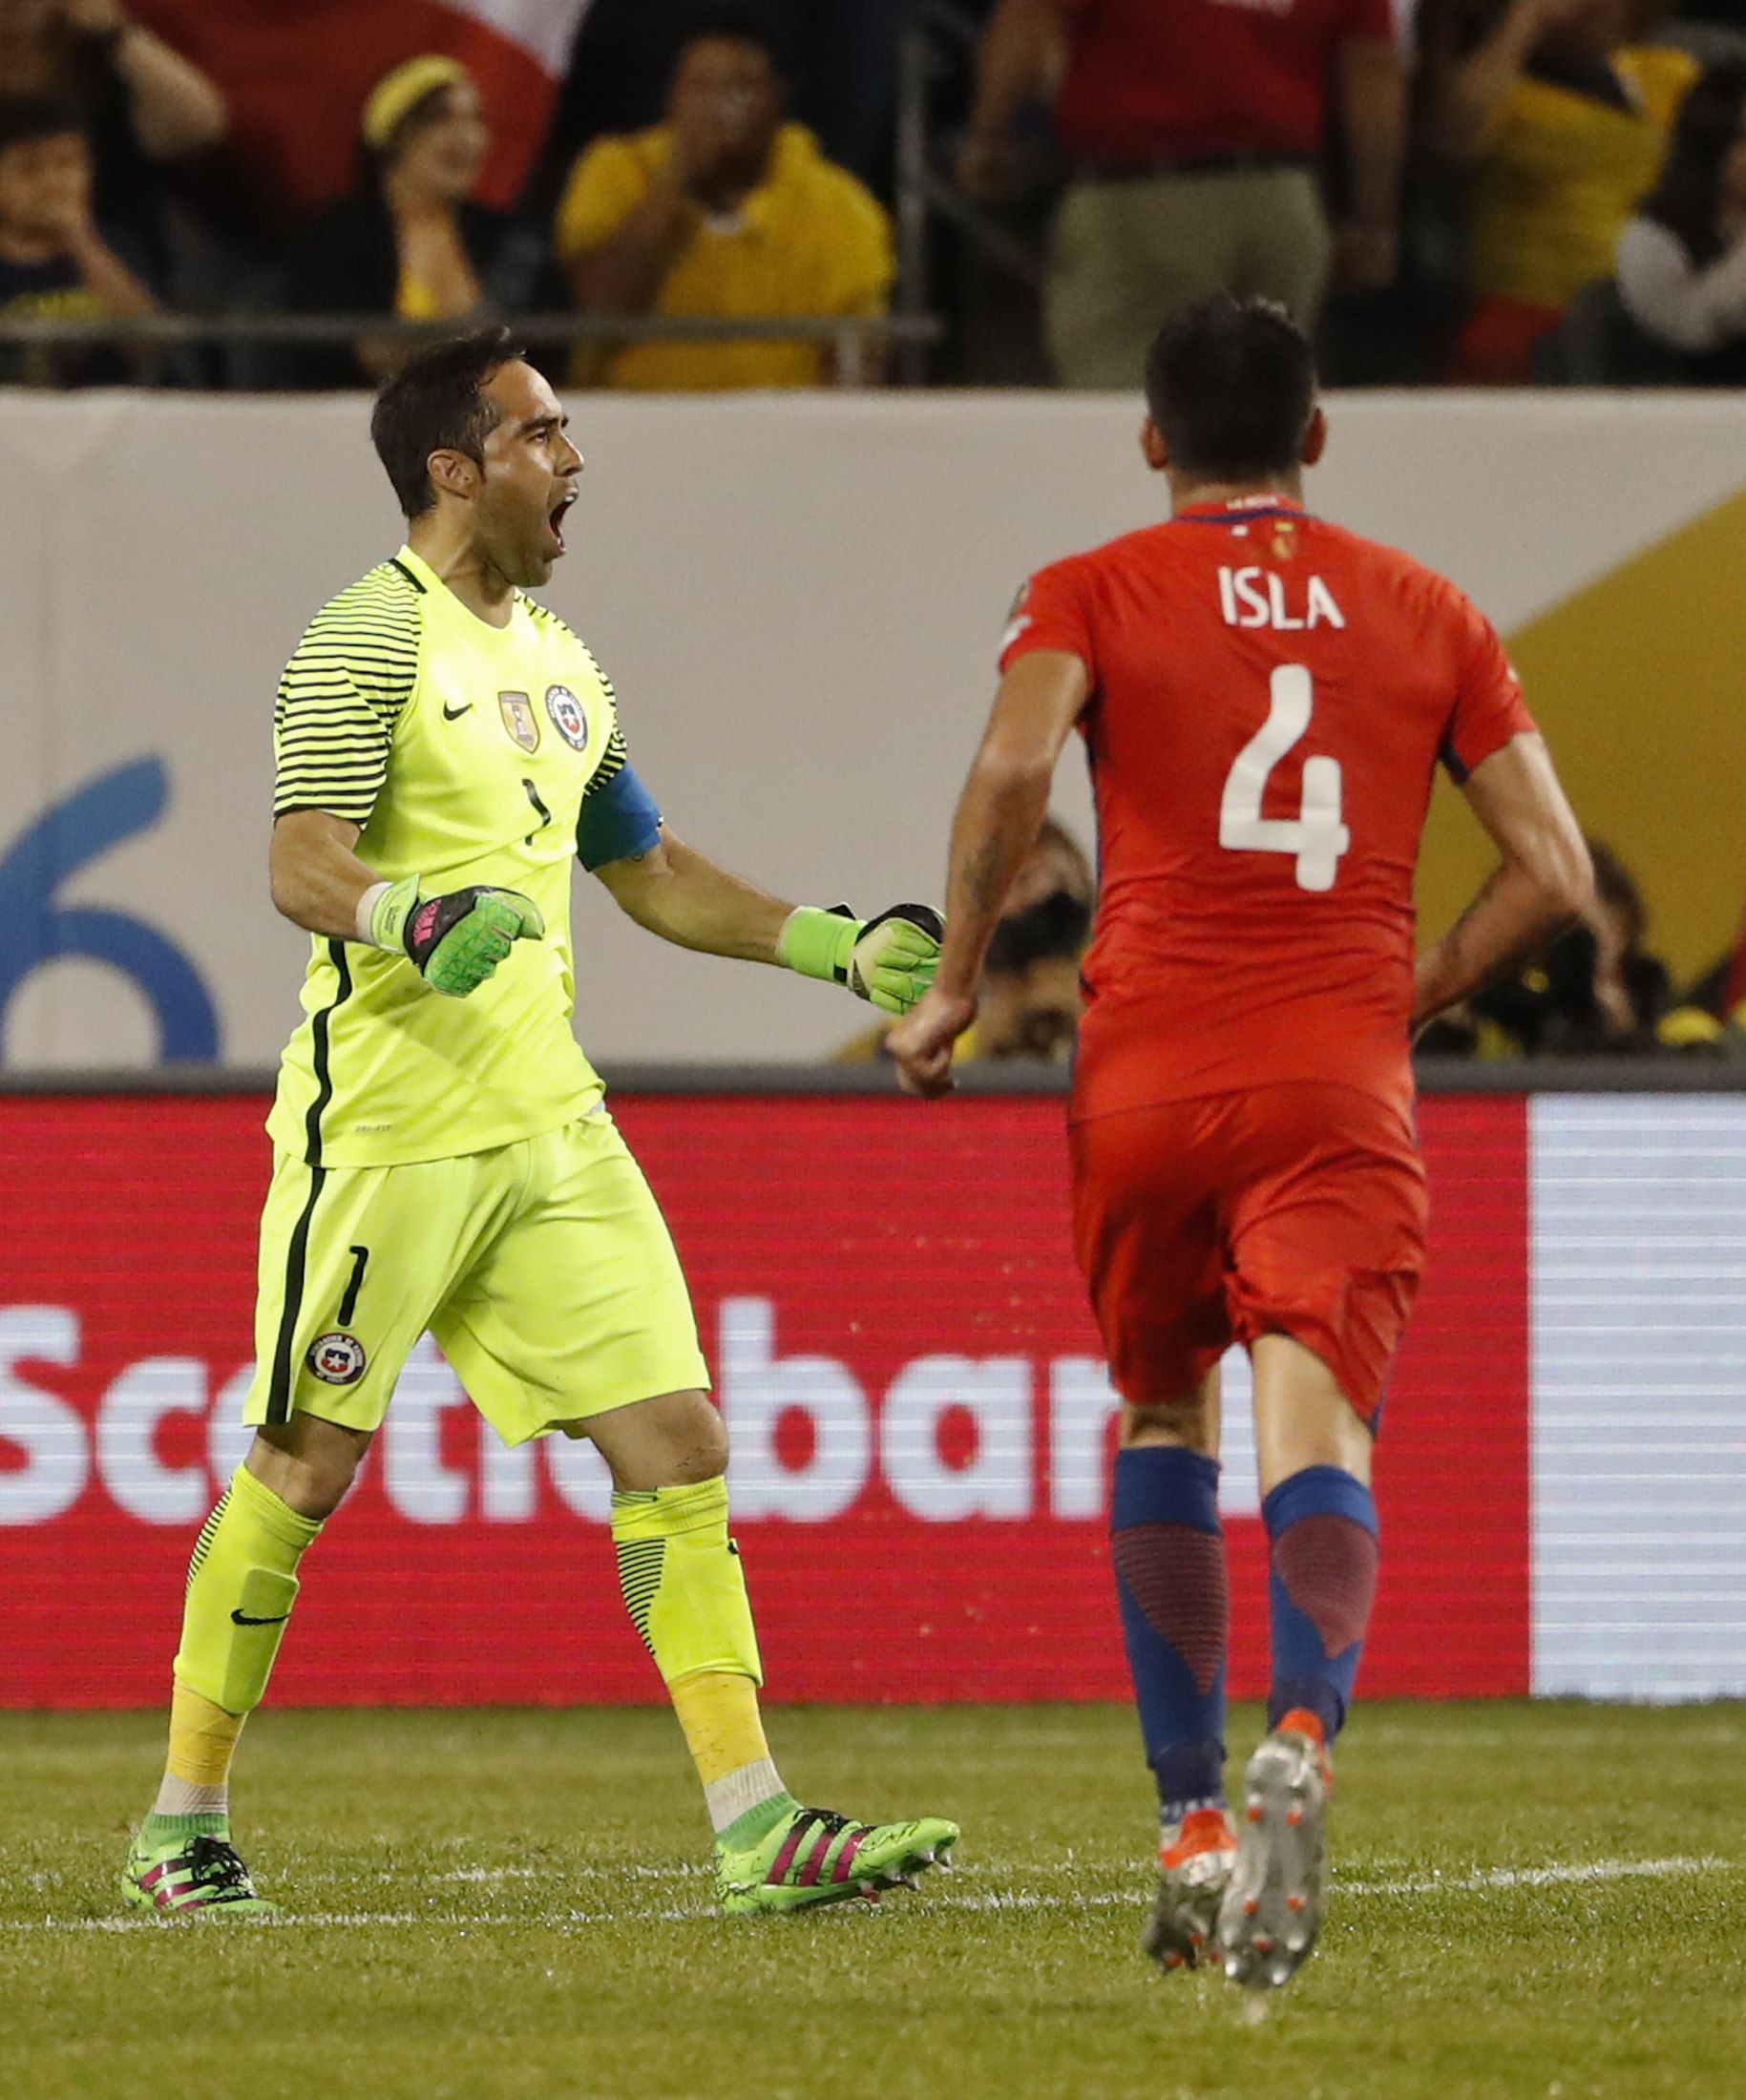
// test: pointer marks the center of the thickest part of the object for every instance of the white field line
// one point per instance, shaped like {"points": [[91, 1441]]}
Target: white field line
{"points": [[1553, 1877], [1480, 1881]]}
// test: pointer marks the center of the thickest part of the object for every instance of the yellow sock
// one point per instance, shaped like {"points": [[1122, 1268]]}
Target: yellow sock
{"points": [[203, 1739], [720, 1716], [242, 1585], [685, 1590]]}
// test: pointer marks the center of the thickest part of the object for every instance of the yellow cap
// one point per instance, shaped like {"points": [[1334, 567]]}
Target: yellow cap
{"points": [[397, 94]]}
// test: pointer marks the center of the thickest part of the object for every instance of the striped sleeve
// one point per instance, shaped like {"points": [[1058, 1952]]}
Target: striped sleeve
{"points": [[616, 759], [342, 695], [617, 755]]}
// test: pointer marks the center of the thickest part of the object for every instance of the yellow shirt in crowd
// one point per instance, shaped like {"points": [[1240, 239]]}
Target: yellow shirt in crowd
{"points": [[812, 240], [1559, 173]]}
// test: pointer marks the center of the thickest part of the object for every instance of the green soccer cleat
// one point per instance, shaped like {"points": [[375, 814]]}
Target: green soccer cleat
{"points": [[185, 1866], [813, 1857]]}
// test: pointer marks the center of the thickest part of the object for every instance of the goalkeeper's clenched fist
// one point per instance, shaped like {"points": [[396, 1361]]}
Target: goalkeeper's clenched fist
{"points": [[890, 959], [457, 940]]}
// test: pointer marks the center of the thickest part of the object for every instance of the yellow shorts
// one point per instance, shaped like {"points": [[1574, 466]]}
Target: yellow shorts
{"points": [[544, 1269]]}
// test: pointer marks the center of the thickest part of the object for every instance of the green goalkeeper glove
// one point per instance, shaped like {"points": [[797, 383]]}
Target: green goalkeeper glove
{"points": [[454, 941], [889, 960]]}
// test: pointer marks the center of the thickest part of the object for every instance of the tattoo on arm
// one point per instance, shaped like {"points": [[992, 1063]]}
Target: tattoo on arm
{"points": [[1455, 941], [1520, 952], [980, 873]]}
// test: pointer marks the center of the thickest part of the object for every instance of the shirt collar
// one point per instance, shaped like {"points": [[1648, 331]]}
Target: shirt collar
{"points": [[422, 574], [419, 568], [1269, 505]]}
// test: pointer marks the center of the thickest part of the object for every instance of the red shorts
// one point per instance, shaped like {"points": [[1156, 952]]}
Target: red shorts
{"points": [[1296, 1210]]}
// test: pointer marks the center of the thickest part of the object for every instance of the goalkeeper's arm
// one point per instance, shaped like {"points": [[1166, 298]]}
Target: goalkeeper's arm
{"points": [[686, 898], [455, 940]]}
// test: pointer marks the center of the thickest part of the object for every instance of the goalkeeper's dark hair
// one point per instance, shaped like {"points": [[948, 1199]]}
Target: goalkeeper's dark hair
{"points": [[435, 403], [1230, 384]]}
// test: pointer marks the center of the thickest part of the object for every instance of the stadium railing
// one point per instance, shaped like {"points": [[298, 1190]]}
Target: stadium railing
{"points": [[861, 342], [939, 42]]}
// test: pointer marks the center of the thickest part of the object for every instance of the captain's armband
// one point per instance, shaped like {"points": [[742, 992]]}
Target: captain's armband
{"points": [[618, 820]]}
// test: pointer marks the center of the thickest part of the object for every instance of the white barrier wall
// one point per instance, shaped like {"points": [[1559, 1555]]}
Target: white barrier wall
{"points": [[798, 600], [1637, 1329]]}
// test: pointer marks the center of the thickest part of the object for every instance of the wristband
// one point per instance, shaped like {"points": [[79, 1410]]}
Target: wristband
{"points": [[815, 943], [366, 912], [383, 913]]}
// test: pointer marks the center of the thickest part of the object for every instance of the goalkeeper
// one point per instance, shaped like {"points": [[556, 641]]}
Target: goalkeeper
{"points": [[443, 1158]]}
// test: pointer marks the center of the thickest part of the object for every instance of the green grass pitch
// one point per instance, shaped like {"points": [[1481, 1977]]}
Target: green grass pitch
{"points": [[1546, 1900]]}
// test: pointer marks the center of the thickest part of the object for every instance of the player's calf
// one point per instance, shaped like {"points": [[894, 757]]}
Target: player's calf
{"points": [[1169, 1552], [242, 1586], [1321, 1526]]}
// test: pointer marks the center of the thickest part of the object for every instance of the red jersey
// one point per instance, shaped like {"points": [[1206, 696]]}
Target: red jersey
{"points": [[1270, 698], [1157, 80]]}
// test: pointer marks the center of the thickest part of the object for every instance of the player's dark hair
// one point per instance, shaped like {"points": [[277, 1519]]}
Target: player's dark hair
{"points": [[744, 24], [1230, 384], [25, 118], [435, 403], [1056, 925]]}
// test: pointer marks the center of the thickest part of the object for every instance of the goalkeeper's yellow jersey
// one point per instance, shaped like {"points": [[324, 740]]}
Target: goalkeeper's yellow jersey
{"points": [[465, 752]]}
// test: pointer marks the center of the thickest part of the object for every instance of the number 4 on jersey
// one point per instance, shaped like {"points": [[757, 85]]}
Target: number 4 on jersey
{"points": [[1315, 834]]}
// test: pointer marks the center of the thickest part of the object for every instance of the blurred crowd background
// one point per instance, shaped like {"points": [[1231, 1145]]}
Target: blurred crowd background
{"points": [[1598, 990], [674, 195], [1485, 192]]}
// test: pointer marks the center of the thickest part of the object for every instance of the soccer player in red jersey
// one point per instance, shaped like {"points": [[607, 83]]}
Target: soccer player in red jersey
{"points": [[1265, 698]]}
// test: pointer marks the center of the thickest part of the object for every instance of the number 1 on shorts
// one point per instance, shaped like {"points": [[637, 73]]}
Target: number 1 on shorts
{"points": [[1315, 834]]}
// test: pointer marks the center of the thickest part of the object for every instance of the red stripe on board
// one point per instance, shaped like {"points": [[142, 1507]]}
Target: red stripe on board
{"points": [[906, 1267]]}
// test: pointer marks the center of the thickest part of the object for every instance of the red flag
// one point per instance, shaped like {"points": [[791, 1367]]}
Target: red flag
{"points": [[296, 72]]}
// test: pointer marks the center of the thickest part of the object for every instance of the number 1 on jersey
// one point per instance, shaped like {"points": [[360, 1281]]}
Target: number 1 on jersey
{"points": [[1315, 834]]}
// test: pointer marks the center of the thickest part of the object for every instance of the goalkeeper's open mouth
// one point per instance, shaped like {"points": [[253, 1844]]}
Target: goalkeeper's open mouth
{"points": [[554, 518]]}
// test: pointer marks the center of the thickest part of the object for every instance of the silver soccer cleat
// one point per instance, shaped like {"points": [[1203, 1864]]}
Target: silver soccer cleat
{"points": [[1272, 1904], [1193, 1867]]}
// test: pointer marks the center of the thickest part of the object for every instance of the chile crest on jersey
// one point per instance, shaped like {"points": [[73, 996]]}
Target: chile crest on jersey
{"points": [[568, 717]]}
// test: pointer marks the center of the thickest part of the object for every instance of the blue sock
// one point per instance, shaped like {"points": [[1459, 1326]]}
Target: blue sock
{"points": [[1322, 1527], [1169, 1563]]}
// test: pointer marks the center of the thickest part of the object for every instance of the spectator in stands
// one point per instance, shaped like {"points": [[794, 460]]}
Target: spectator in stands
{"points": [[1562, 124], [145, 110], [724, 210], [1682, 258], [1195, 128], [409, 239], [1031, 997], [1597, 990], [55, 262]]}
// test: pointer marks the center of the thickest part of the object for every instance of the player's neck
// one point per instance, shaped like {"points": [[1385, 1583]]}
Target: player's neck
{"points": [[1191, 493], [451, 555]]}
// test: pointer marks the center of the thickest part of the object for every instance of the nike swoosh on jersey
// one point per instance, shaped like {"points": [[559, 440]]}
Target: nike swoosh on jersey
{"points": [[455, 714]]}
